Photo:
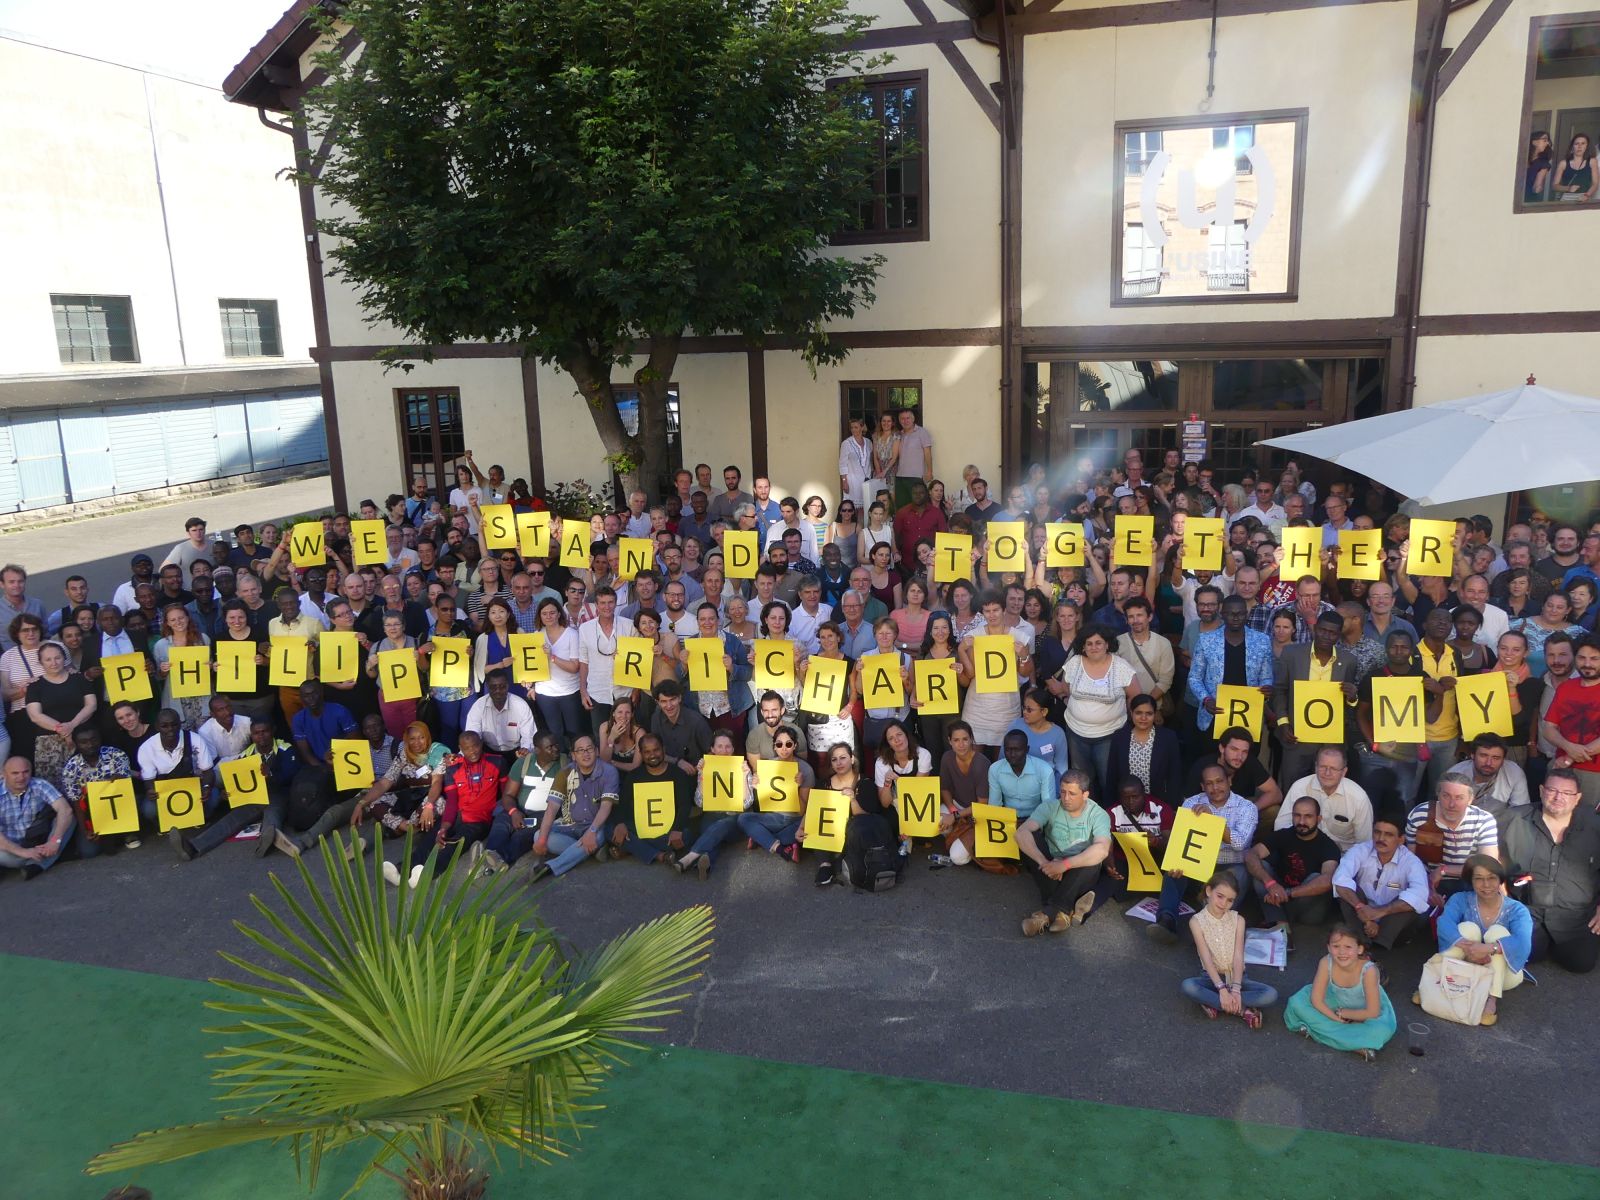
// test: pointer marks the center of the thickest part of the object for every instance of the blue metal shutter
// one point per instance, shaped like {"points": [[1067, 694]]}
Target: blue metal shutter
{"points": [[191, 441], [86, 439], [10, 485], [40, 468], [233, 436], [261, 414], [300, 426], [139, 459]]}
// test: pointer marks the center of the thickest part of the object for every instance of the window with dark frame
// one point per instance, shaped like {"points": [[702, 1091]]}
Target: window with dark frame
{"points": [[1558, 167], [1239, 139], [250, 328], [432, 435], [94, 329], [898, 208], [866, 400], [1139, 147]]}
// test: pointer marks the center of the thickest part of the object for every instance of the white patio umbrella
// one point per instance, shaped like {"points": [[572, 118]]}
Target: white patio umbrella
{"points": [[1528, 437]]}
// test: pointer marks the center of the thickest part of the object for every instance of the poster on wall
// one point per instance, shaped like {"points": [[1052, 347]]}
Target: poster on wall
{"points": [[1208, 208], [1556, 163]]}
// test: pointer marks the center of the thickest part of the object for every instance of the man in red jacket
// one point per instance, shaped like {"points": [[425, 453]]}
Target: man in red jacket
{"points": [[919, 519]]}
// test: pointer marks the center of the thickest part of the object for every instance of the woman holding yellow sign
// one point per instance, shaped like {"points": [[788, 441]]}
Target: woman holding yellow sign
{"points": [[178, 629], [990, 710]]}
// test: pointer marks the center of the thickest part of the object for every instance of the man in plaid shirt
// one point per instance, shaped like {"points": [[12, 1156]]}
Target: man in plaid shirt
{"points": [[22, 799], [92, 762]]}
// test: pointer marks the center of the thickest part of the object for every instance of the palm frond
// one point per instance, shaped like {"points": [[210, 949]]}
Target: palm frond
{"points": [[422, 1024]]}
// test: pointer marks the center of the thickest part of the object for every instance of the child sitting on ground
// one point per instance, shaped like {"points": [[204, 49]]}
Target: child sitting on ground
{"points": [[1344, 1006], [1219, 938]]}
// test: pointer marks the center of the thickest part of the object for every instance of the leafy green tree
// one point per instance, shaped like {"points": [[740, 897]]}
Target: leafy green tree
{"points": [[594, 179], [429, 1031]]}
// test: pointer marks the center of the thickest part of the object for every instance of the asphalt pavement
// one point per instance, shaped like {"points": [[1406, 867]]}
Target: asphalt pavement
{"points": [[99, 547], [935, 981]]}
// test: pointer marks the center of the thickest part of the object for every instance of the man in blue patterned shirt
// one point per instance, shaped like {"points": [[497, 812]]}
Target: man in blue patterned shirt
{"points": [[22, 799], [91, 762]]}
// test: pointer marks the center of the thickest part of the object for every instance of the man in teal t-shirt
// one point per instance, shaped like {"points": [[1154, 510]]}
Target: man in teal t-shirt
{"points": [[1066, 861]]}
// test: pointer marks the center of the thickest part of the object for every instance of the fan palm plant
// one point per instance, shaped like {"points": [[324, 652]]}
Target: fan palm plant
{"points": [[434, 1028]]}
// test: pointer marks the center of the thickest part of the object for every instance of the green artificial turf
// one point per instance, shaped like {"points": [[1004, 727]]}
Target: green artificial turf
{"points": [[93, 1056]]}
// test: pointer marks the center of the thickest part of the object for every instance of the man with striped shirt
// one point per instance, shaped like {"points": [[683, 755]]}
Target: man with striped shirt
{"points": [[1458, 829]]}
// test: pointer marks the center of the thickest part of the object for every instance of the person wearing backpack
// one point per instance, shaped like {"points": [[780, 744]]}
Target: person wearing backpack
{"points": [[1064, 845]]}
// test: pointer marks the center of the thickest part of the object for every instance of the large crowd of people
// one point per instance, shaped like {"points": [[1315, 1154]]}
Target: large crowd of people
{"points": [[1063, 715]]}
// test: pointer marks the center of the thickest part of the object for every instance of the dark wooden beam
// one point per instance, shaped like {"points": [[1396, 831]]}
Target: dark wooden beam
{"points": [[319, 319], [1462, 54], [1465, 324], [530, 414], [756, 366]]}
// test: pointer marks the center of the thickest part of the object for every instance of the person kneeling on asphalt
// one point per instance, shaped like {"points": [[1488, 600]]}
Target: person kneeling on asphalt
{"points": [[1066, 862]]}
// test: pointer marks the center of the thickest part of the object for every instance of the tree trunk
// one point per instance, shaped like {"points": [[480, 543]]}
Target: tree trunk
{"points": [[640, 460], [592, 373], [653, 380]]}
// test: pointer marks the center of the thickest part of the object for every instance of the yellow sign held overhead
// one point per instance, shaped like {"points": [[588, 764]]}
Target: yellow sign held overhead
{"points": [[368, 544], [1302, 553], [1361, 554], [1063, 544], [306, 548], [499, 526], [1432, 549], [533, 534], [575, 544], [952, 557], [1203, 540]]}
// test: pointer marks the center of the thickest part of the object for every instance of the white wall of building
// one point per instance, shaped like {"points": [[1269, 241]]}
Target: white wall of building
{"points": [[81, 211]]}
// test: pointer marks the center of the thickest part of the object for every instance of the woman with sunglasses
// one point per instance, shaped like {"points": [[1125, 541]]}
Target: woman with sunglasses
{"points": [[449, 703], [779, 832], [845, 532]]}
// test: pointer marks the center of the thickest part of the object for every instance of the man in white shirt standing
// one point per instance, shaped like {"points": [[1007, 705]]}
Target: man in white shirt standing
{"points": [[1262, 509], [597, 652], [1475, 592], [503, 719]]}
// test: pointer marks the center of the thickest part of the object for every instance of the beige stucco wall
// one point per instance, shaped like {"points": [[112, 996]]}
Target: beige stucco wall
{"points": [[369, 431], [1482, 257], [83, 213], [1079, 84], [1449, 368]]}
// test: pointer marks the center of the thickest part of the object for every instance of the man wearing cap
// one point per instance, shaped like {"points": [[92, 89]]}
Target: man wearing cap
{"points": [[195, 549]]}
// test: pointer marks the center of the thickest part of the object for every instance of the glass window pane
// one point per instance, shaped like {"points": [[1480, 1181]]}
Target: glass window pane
{"points": [[1271, 385], [1127, 386]]}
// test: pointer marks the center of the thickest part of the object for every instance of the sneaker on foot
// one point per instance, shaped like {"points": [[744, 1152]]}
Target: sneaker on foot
{"points": [[1081, 910], [264, 841], [391, 874], [474, 854], [285, 844], [493, 864], [1033, 925], [539, 872], [133, 842], [790, 852], [416, 874], [824, 875], [181, 844], [355, 847], [1060, 923]]}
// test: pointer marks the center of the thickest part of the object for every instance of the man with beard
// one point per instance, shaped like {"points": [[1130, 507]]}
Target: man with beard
{"points": [[1292, 869]]}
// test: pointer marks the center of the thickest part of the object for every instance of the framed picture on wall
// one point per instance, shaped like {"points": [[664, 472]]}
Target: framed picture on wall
{"points": [[1207, 208], [1557, 165]]}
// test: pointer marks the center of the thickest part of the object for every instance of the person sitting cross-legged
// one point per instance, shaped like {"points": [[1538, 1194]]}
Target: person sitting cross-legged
{"points": [[1067, 860], [91, 762], [1483, 925], [1218, 931], [717, 828], [580, 805], [1344, 1006], [653, 769], [36, 822], [1219, 800], [525, 796], [1382, 886], [1292, 869]]}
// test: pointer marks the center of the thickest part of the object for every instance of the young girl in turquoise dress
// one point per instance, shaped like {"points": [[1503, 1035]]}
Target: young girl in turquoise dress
{"points": [[1344, 1006]]}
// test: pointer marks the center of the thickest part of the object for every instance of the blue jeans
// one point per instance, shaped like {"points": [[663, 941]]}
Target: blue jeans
{"points": [[569, 851], [1172, 890], [44, 864], [715, 833], [1251, 993], [764, 827], [562, 716], [1094, 756]]}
